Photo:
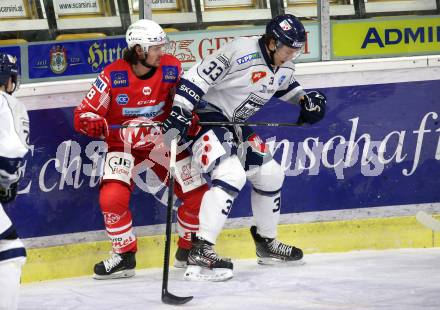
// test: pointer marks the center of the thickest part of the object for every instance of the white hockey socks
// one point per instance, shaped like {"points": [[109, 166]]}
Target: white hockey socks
{"points": [[266, 211], [214, 211]]}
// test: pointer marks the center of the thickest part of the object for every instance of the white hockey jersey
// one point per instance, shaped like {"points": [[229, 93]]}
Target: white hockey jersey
{"points": [[14, 144], [237, 80]]}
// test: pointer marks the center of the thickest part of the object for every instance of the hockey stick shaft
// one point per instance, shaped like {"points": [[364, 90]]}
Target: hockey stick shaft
{"points": [[167, 297], [250, 124]]}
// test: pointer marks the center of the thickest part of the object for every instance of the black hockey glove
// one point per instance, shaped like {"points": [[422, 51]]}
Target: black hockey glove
{"points": [[312, 107], [8, 194], [177, 123]]}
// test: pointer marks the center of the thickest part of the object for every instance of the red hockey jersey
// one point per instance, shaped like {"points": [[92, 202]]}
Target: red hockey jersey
{"points": [[125, 99]]}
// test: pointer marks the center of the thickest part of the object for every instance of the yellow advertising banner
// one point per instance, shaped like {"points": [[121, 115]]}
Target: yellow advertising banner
{"points": [[382, 37]]}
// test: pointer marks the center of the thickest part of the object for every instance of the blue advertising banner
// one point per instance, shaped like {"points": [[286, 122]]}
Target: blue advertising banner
{"points": [[13, 51], [379, 145], [57, 59]]}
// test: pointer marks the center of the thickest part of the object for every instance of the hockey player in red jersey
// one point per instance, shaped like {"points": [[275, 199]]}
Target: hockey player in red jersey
{"points": [[137, 89]]}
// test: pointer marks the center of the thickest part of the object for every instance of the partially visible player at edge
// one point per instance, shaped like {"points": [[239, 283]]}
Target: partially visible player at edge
{"points": [[232, 84], [136, 89], [14, 145]]}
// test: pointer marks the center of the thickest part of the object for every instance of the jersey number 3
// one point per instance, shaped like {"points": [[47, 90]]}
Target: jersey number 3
{"points": [[210, 71]]}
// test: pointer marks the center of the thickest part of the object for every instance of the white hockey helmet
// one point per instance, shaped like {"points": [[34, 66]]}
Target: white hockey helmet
{"points": [[146, 33]]}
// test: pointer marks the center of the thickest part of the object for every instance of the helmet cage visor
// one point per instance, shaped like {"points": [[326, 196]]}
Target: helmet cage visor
{"points": [[294, 51]]}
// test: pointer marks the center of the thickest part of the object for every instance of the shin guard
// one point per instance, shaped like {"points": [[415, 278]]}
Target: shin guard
{"points": [[114, 198]]}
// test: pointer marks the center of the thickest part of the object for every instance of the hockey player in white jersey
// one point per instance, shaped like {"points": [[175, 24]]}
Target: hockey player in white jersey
{"points": [[232, 84], [14, 133]]}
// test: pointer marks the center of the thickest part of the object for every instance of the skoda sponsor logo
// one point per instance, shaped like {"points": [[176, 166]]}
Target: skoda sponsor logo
{"points": [[122, 99], [190, 92]]}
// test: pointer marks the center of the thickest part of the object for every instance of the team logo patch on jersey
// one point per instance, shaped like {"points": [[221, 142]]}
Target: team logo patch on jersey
{"points": [[146, 91], [248, 58], [256, 76], [119, 79], [140, 137], [99, 84], [169, 74], [122, 99], [249, 107], [281, 80]]}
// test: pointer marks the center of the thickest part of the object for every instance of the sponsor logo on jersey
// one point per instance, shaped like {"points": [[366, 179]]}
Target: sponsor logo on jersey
{"points": [[281, 80], [285, 25], [146, 102], [58, 59], [256, 76], [190, 92], [248, 58], [122, 99], [99, 84], [146, 91], [169, 74], [148, 112], [119, 79]]}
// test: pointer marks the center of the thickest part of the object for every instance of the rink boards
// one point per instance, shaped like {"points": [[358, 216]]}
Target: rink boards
{"points": [[353, 181]]}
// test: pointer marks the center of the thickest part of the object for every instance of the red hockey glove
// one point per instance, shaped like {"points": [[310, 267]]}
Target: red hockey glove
{"points": [[93, 125]]}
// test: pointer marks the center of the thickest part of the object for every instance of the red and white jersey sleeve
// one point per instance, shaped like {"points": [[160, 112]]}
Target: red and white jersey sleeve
{"points": [[125, 99]]}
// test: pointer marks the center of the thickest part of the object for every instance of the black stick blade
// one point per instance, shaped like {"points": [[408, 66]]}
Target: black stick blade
{"points": [[170, 299]]}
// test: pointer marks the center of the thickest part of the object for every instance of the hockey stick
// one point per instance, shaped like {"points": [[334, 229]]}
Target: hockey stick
{"points": [[167, 297], [428, 220], [250, 124]]}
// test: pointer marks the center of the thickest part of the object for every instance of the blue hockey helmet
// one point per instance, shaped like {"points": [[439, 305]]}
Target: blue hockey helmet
{"points": [[288, 30], [8, 69]]}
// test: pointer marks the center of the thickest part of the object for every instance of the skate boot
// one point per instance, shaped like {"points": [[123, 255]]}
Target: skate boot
{"points": [[116, 266], [205, 265], [181, 257], [270, 251]]}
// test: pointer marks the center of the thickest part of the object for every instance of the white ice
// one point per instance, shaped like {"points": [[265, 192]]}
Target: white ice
{"points": [[392, 279]]}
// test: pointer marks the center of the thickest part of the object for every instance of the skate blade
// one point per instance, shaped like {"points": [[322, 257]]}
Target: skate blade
{"points": [[180, 264], [197, 273], [116, 275], [271, 261]]}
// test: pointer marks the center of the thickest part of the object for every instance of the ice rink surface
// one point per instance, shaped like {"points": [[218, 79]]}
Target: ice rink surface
{"points": [[391, 279]]}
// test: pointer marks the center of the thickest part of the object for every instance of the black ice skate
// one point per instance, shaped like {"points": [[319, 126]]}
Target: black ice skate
{"points": [[181, 257], [205, 265], [270, 251], [116, 266]]}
